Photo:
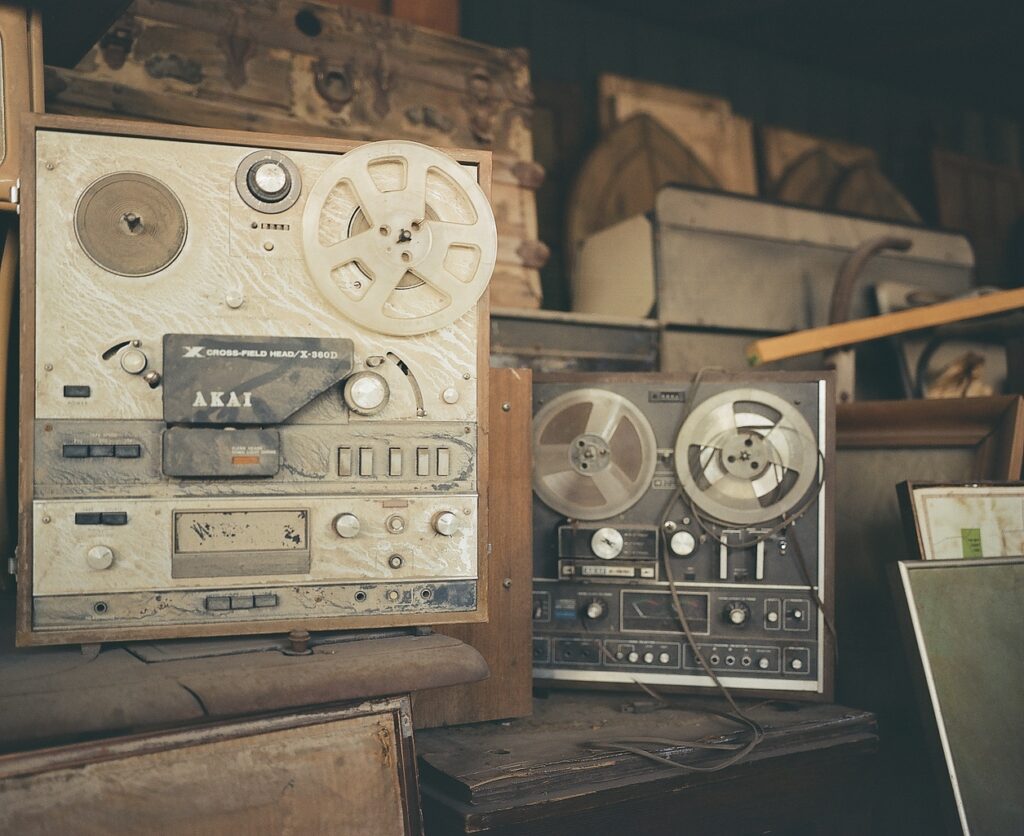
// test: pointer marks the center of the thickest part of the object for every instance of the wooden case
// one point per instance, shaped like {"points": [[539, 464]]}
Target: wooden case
{"points": [[504, 641], [322, 69], [21, 88], [26, 635]]}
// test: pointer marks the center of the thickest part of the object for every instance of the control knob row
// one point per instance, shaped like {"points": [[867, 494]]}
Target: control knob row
{"points": [[347, 525]]}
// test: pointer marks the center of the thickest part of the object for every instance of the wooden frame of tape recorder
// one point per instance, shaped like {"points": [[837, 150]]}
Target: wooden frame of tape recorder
{"points": [[253, 386], [683, 526]]}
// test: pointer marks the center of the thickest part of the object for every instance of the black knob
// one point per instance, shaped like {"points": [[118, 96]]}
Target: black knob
{"points": [[736, 613], [595, 609]]}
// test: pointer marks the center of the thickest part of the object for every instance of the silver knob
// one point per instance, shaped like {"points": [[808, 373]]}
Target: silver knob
{"points": [[797, 665], [682, 543], [664, 658], [772, 617], [133, 361], [99, 557], [446, 523], [346, 525], [763, 663], [633, 656], [366, 393], [648, 657]]}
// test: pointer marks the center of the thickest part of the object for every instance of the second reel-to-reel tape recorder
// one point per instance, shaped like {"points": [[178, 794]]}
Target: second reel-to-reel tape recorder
{"points": [[253, 370], [655, 494]]}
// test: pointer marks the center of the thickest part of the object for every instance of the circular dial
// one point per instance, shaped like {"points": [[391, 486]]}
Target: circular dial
{"points": [[746, 456], [399, 237], [594, 454], [99, 557], [268, 182], [682, 543], [366, 393], [606, 543], [736, 613], [595, 609]]}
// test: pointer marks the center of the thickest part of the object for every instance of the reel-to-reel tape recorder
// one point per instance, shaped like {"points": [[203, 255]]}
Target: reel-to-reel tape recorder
{"points": [[658, 499], [253, 371]]}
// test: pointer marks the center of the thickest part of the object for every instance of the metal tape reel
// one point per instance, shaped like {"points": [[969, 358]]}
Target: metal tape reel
{"points": [[130, 224], [746, 456], [399, 237], [594, 454]]}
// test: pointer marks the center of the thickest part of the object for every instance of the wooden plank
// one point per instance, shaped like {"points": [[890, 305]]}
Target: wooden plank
{"points": [[441, 15], [887, 325], [504, 641]]}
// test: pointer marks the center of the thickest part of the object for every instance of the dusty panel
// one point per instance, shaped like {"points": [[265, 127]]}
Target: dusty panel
{"points": [[144, 545], [230, 370]]}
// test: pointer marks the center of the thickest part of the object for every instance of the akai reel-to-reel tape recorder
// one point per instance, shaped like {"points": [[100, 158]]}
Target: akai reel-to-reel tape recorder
{"points": [[253, 370], [655, 495]]}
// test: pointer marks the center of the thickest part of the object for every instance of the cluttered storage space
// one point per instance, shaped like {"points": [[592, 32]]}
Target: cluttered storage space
{"points": [[435, 417]]}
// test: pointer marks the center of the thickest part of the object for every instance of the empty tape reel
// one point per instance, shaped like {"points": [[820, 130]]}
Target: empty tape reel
{"points": [[399, 237], [130, 224], [746, 456], [594, 454]]}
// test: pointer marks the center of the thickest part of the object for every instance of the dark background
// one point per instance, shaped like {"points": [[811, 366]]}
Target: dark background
{"points": [[899, 77]]}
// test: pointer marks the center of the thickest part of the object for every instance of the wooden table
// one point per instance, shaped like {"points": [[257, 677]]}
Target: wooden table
{"points": [[812, 773]]}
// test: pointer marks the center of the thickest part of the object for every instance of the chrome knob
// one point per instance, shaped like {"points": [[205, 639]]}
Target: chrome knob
{"points": [[346, 525], [446, 523]]}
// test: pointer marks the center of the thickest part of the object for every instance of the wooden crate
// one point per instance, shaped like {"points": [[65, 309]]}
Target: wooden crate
{"points": [[346, 769], [321, 69]]}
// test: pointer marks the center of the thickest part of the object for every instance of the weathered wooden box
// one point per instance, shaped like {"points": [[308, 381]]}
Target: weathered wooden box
{"points": [[320, 69]]}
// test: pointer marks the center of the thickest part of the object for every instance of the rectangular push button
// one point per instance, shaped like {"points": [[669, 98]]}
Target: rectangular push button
{"points": [[76, 451], [77, 392], [127, 451], [265, 599], [366, 461], [395, 461], [115, 518], [344, 461], [101, 451], [422, 461], [241, 602], [218, 602], [444, 465], [88, 518]]}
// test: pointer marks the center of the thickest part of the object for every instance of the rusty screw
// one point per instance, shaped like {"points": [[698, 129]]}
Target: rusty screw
{"points": [[298, 641]]}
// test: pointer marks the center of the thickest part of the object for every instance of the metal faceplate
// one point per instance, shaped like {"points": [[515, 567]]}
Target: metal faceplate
{"points": [[777, 643], [193, 449]]}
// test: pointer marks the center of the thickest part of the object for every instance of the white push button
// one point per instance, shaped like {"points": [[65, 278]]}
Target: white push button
{"points": [[344, 461], [395, 461], [346, 525], [443, 461], [366, 461], [422, 461]]}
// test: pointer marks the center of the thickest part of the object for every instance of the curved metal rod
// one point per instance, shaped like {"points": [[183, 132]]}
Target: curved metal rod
{"points": [[842, 292]]}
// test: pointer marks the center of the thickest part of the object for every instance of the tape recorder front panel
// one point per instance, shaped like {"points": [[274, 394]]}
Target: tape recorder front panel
{"points": [[251, 393], [722, 490]]}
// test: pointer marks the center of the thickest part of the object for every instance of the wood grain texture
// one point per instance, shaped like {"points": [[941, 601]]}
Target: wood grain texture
{"points": [[293, 774], [504, 641], [21, 77]]}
